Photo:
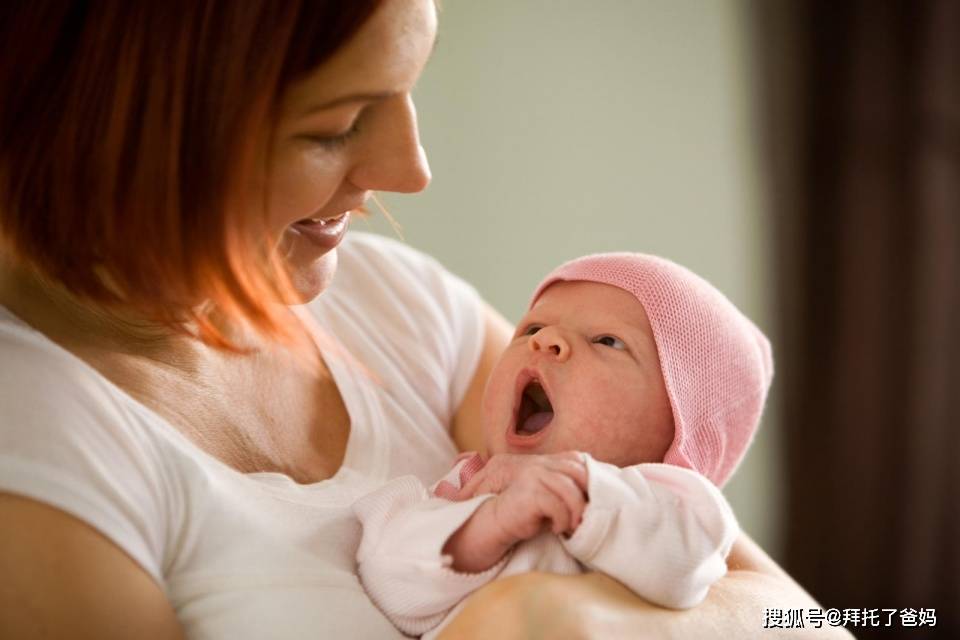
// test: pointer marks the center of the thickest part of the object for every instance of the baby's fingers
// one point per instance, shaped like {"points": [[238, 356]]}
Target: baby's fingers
{"points": [[570, 496], [469, 489], [553, 508], [570, 463], [483, 481]]}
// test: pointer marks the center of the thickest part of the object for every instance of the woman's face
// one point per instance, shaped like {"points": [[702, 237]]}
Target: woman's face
{"points": [[347, 129]]}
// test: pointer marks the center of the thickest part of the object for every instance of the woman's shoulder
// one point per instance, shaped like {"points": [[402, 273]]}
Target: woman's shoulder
{"points": [[379, 271], [407, 287], [382, 249], [58, 412], [399, 291], [40, 380], [386, 263], [418, 326], [71, 441]]}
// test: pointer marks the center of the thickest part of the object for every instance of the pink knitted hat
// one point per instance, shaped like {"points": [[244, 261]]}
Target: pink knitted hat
{"points": [[716, 363]]}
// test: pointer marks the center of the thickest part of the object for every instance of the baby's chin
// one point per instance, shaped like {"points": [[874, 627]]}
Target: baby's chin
{"points": [[493, 448], [506, 447], [498, 446]]}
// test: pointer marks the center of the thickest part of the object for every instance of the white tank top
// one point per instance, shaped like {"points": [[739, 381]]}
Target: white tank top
{"points": [[252, 555]]}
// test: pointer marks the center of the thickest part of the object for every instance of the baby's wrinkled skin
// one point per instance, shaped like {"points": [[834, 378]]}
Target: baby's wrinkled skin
{"points": [[589, 346]]}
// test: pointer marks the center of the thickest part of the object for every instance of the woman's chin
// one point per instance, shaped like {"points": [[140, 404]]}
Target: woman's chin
{"points": [[310, 280], [309, 255]]}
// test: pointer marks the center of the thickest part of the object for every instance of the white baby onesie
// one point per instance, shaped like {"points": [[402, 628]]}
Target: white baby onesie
{"points": [[661, 530]]}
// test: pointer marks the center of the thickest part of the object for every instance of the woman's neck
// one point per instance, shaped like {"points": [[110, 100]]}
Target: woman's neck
{"points": [[79, 325], [98, 333]]}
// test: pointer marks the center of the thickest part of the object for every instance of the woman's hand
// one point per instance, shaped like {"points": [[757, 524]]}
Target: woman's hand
{"points": [[593, 605], [519, 607], [543, 605]]}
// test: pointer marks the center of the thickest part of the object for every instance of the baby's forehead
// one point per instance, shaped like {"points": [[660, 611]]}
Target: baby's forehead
{"points": [[587, 301]]}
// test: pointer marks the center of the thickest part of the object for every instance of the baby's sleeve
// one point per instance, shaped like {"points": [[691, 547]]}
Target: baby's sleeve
{"points": [[662, 530], [400, 560]]}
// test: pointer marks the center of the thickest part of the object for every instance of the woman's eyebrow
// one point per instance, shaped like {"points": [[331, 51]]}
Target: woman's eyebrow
{"points": [[363, 97]]}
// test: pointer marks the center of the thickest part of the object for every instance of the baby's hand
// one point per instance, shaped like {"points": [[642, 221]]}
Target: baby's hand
{"points": [[542, 493], [533, 492], [502, 469]]}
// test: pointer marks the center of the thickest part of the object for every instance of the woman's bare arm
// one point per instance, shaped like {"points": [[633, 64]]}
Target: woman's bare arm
{"points": [[466, 429], [63, 579], [594, 605]]}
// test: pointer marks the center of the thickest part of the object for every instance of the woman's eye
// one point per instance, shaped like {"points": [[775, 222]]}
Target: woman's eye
{"points": [[336, 141], [611, 341]]}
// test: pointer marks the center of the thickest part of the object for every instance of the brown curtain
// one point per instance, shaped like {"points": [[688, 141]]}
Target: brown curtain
{"points": [[862, 120]]}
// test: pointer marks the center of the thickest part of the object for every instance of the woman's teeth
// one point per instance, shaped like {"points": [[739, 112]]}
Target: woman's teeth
{"points": [[321, 221]]}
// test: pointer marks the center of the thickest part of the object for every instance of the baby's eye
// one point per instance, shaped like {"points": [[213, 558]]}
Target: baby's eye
{"points": [[531, 329], [611, 341]]}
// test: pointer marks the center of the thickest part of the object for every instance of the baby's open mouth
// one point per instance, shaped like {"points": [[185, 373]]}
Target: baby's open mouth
{"points": [[535, 410]]}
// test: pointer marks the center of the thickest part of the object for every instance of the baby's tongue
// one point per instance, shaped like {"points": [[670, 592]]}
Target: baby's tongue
{"points": [[536, 422]]}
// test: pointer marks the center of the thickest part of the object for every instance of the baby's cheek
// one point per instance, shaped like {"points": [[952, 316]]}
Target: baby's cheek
{"points": [[609, 422], [497, 402], [495, 392]]}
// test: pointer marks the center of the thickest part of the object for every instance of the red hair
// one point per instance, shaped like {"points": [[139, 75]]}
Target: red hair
{"points": [[128, 131]]}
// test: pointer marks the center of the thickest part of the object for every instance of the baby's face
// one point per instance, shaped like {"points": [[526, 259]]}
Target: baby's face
{"points": [[581, 373]]}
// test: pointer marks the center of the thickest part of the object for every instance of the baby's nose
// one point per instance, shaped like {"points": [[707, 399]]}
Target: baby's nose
{"points": [[550, 340]]}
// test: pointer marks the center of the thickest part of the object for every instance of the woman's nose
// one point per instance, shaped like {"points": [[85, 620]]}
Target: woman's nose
{"points": [[550, 341], [392, 158]]}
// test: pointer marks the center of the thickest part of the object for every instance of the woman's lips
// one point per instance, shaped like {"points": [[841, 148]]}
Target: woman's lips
{"points": [[326, 233]]}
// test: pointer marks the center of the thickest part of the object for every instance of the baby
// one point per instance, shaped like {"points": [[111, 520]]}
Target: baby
{"points": [[629, 393]]}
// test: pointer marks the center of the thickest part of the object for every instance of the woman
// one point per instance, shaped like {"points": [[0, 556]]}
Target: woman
{"points": [[178, 446]]}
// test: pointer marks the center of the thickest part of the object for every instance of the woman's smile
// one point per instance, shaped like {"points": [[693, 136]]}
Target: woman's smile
{"points": [[343, 135], [324, 233]]}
